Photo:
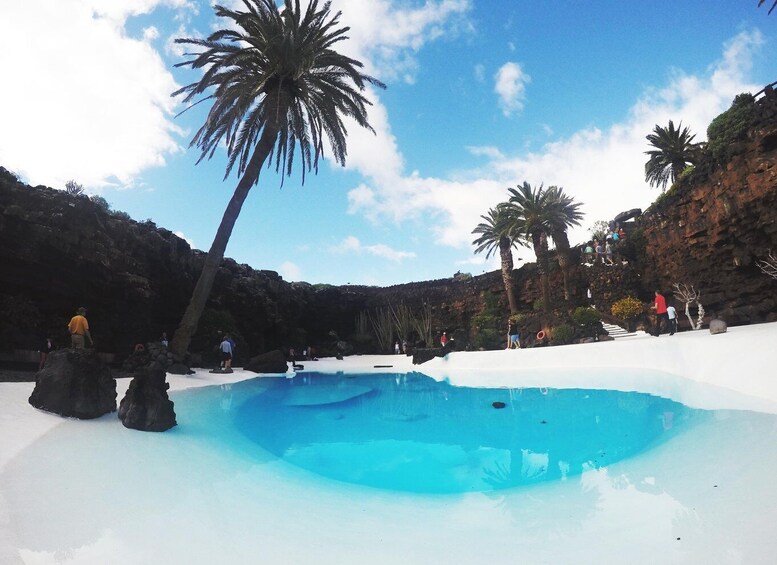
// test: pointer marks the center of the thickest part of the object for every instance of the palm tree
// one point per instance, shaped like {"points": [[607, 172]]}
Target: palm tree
{"points": [[774, 5], [530, 210], [277, 86], [564, 213], [674, 150], [496, 234]]}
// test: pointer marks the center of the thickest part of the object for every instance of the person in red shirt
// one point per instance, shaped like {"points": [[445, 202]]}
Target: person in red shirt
{"points": [[444, 339], [662, 318]]}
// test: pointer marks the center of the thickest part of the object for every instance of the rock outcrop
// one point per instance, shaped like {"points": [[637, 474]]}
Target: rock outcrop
{"points": [[714, 226], [146, 405], [75, 383], [270, 362]]}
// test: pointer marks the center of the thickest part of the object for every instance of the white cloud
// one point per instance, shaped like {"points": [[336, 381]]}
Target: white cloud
{"points": [[480, 73], [386, 37], [510, 84], [96, 103], [290, 271], [602, 168], [485, 151], [351, 244], [150, 34], [186, 239]]}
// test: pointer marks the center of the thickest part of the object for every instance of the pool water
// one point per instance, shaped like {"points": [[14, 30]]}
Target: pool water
{"points": [[408, 432]]}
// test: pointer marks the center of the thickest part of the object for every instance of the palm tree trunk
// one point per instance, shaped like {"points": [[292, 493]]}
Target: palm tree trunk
{"points": [[506, 255], [565, 262], [191, 318], [540, 244]]}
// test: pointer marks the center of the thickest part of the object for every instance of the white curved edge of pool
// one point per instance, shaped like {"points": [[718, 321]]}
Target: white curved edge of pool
{"points": [[739, 364]]}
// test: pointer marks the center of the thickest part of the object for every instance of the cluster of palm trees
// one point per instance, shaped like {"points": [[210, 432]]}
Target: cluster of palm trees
{"points": [[529, 217]]}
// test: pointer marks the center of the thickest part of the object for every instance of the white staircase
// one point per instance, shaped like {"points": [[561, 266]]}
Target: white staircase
{"points": [[617, 332]]}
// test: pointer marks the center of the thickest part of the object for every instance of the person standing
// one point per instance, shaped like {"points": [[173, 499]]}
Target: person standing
{"points": [[662, 319], [672, 315], [513, 335], [79, 329], [600, 251], [396, 348], [46, 347], [444, 339], [226, 353]]}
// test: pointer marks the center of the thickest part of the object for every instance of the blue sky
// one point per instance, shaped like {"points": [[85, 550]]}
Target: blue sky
{"points": [[482, 95]]}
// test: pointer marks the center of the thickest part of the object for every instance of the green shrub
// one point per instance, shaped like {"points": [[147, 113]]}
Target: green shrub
{"points": [[584, 316], [517, 318], [488, 326], [627, 308], [634, 247], [562, 334], [538, 305], [488, 338], [101, 203], [730, 126], [73, 188], [687, 173], [120, 215]]}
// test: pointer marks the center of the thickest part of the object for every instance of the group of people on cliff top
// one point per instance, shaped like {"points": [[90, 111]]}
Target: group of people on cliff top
{"points": [[603, 250]]}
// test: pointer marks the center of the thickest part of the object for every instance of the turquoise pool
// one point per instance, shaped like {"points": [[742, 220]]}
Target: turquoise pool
{"points": [[408, 432]]}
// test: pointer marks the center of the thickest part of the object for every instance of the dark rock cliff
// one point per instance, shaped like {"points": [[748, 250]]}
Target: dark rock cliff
{"points": [[713, 227], [59, 252]]}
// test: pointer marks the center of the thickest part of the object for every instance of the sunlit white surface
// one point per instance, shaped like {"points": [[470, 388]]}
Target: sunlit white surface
{"points": [[94, 492]]}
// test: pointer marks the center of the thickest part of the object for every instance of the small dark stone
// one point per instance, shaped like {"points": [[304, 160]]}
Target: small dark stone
{"points": [[498, 405], [543, 422]]}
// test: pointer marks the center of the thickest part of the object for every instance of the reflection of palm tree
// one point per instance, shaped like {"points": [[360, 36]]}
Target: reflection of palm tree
{"points": [[496, 233], [277, 87]]}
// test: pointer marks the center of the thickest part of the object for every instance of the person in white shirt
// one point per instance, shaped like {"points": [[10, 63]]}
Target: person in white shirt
{"points": [[672, 313], [226, 354]]}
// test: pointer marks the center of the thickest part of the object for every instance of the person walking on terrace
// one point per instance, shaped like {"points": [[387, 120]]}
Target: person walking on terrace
{"points": [[662, 318], [226, 353], [672, 315], [513, 336], [79, 329]]}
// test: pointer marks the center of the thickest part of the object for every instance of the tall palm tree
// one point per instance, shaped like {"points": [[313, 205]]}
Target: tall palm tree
{"points": [[674, 150], [531, 210], [774, 5], [564, 213], [496, 234], [277, 87]]}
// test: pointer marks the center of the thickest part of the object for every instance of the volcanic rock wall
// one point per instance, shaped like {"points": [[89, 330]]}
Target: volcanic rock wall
{"points": [[711, 232], [59, 252]]}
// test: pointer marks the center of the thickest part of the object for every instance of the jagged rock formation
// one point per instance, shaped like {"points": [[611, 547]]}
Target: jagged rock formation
{"points": [[75, 383], [146, 405]]}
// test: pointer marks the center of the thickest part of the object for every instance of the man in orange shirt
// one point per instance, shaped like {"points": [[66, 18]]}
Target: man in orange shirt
{"points": [[79, 328]]}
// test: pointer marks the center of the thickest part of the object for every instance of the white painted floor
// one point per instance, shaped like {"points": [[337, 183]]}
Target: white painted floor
{"points": [[92, 492]]}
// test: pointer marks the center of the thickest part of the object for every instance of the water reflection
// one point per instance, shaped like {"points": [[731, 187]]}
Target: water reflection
{"points": [[410, 432]]}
